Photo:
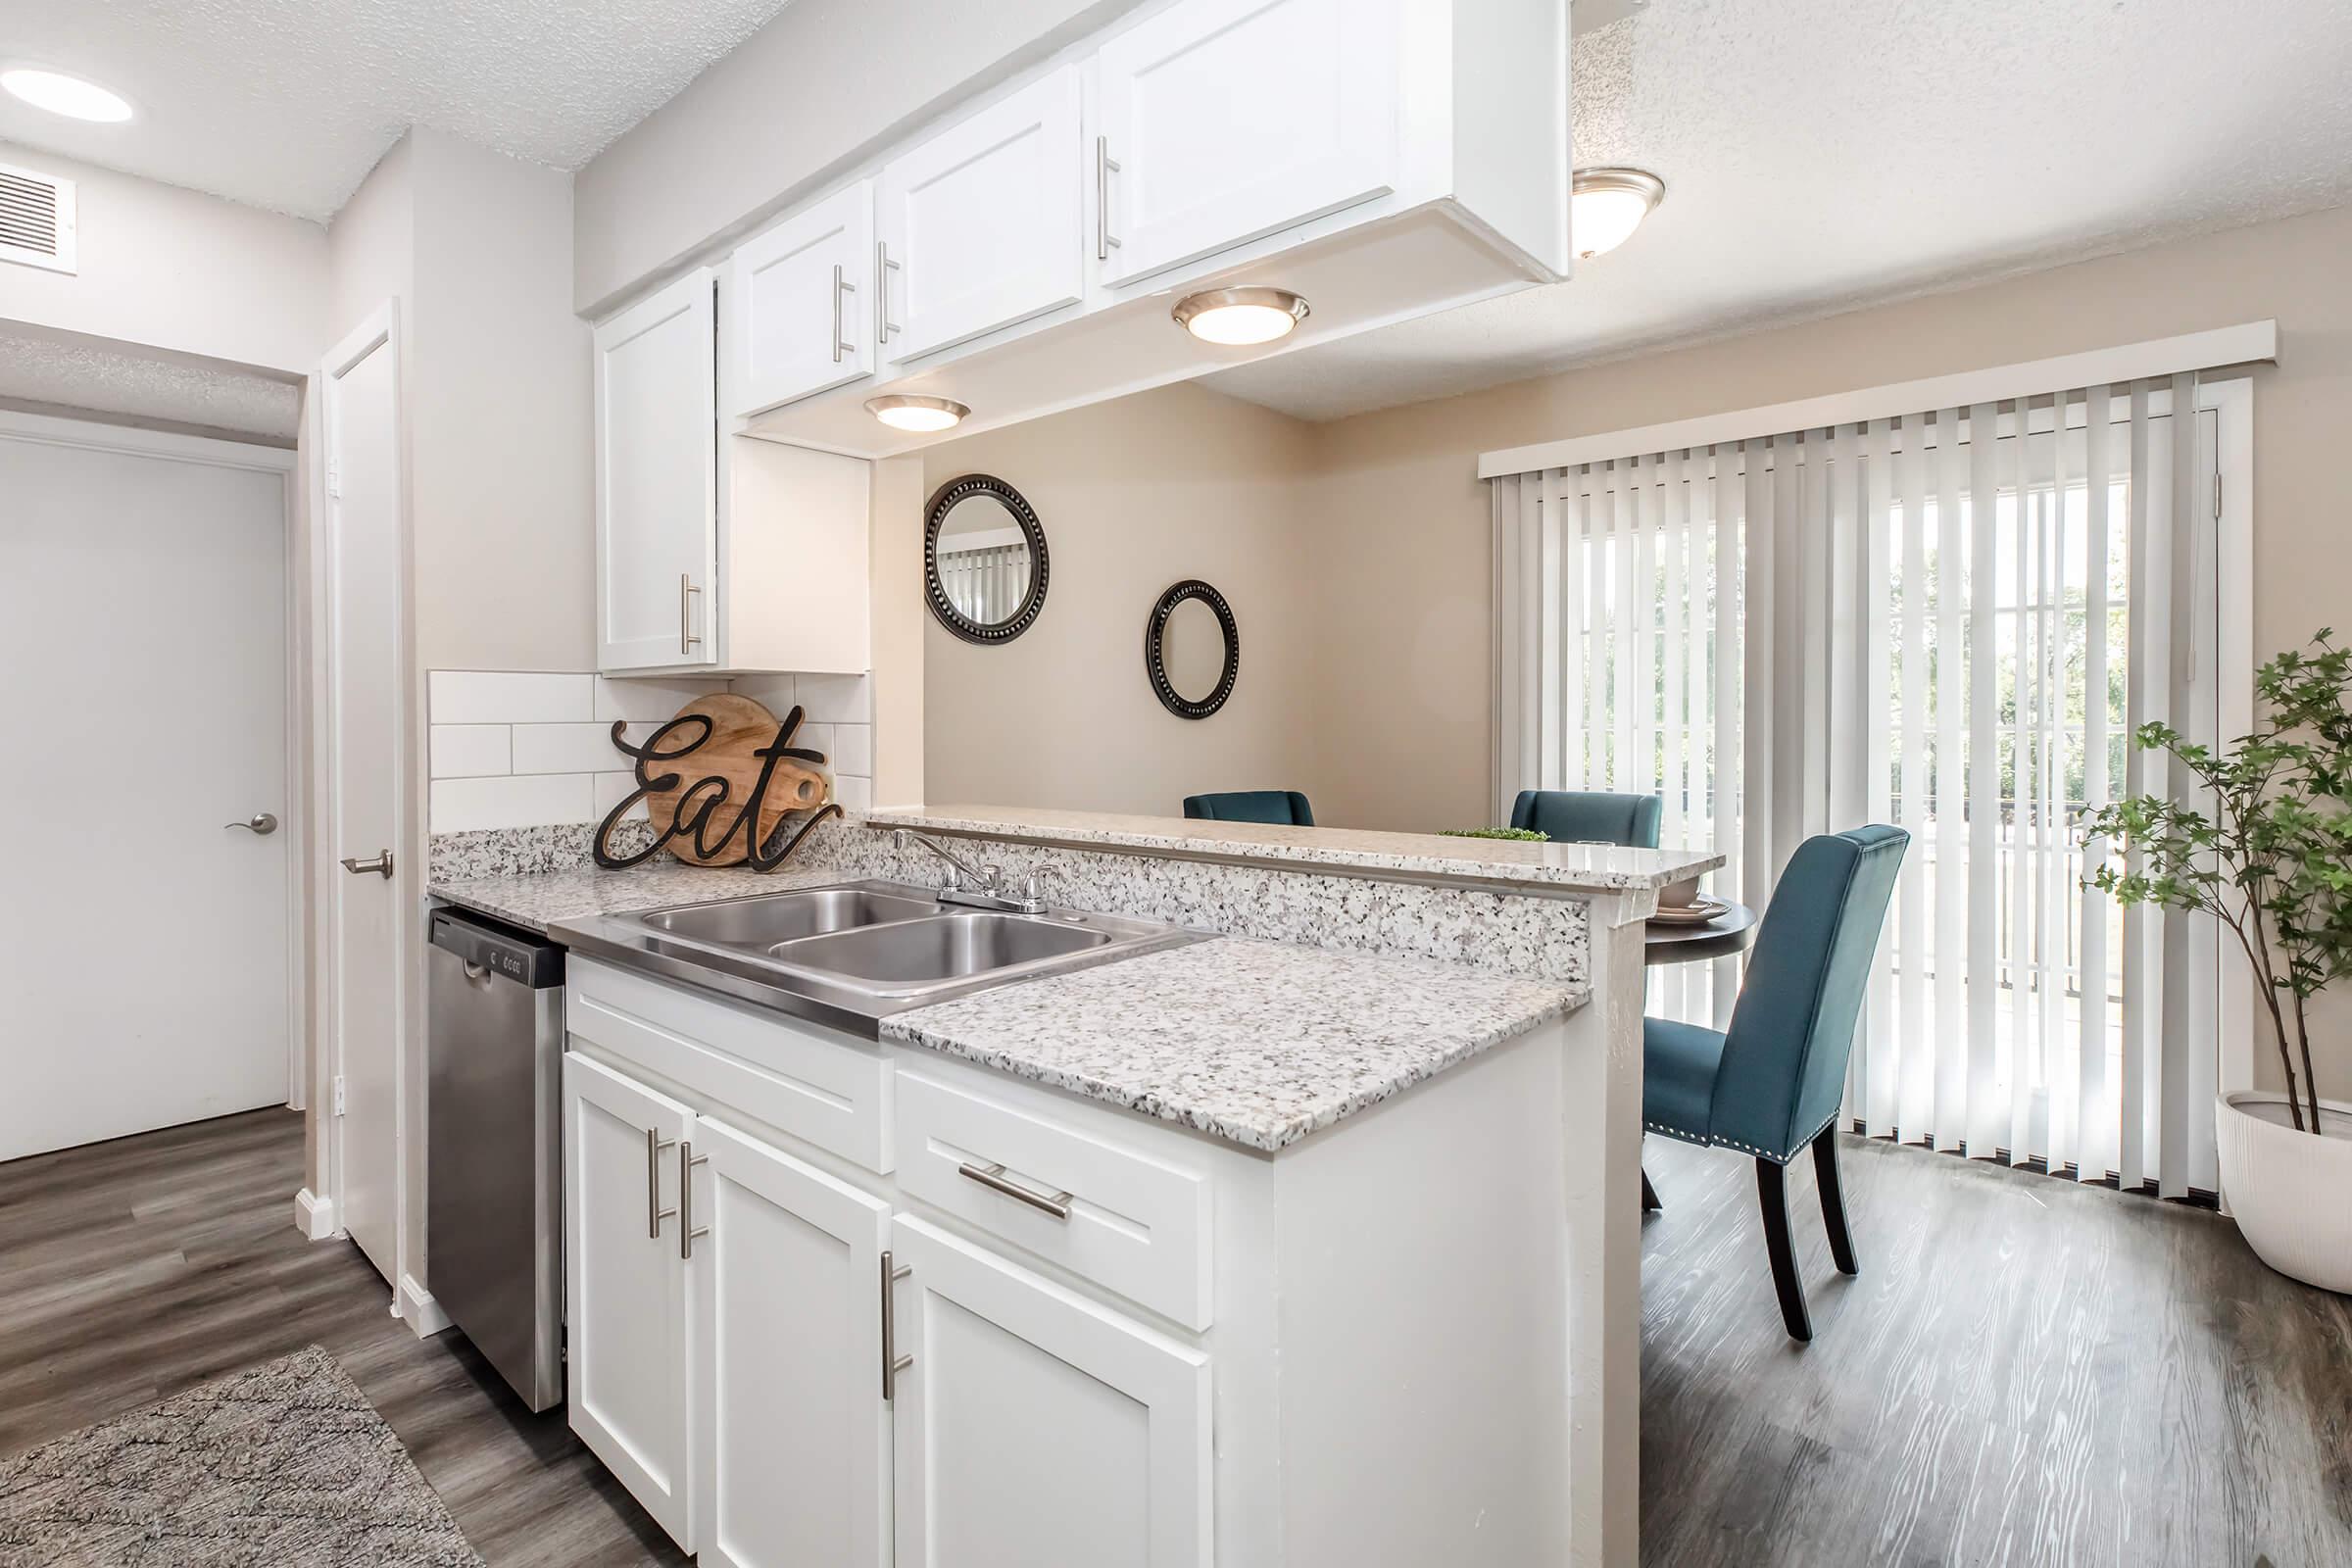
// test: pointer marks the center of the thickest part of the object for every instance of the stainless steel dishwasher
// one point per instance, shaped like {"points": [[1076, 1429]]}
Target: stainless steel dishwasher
{"points": [[494, 1145]]}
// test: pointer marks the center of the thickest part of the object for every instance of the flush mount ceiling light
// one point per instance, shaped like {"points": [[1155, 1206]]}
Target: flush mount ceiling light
{"points": [[1608, 205], [1238, 316], [907, 411], [66, 95]]}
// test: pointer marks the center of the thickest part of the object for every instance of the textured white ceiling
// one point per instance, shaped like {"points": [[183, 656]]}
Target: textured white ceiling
{"points": [[85, 373], [287, 104], [1824, 154]]}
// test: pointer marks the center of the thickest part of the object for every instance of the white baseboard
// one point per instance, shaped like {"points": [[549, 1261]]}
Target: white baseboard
{"points": [[414, 1305], [313, 1216]]}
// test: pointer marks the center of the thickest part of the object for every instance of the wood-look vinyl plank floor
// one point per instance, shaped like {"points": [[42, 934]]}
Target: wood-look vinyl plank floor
{"points": [[2026, 1373]]}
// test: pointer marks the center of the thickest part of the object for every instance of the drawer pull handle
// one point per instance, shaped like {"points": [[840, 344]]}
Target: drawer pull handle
{"points": [[993, 1178], [654, 1213], [892, 1364], [688, 1230]]}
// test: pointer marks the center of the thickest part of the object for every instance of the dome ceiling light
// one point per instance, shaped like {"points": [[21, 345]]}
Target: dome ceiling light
{"points": [[908, 410], [1607, 205], [66, 95], [1240, 317]]}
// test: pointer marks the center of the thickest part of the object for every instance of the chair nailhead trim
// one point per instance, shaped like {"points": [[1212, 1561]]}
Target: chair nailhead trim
{"points": [[1712, 1141]]}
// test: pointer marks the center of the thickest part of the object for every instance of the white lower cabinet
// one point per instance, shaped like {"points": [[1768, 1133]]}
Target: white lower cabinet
{"points": [[793, 1451], [730, 1341], [625, 1286], [1034, 1426]]}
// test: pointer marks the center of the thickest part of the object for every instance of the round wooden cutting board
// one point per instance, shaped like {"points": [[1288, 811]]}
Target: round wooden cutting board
{"points": [[739, 729]]}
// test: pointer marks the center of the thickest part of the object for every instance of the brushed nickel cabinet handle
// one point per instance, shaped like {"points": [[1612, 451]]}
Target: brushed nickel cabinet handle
{"points": [[686, 592], [380, 862], [1105, 165], [883, 267], [993, 1178], [840, 285], [892, 1364], [654, 1213], [688, 1232]]}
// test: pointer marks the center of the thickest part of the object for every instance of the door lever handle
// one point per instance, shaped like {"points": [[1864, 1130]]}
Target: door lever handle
{"points": [[379, 862], [262, 826]]}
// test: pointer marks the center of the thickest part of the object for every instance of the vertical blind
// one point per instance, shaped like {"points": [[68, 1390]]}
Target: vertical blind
{"points": [[987, 583], [1950, 620]]}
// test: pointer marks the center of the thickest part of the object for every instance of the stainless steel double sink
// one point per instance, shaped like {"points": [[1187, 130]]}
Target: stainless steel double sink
{"points": [[855, 951]]}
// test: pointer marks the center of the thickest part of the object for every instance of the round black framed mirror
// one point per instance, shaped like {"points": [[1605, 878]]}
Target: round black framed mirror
{"points": [[984, 559], [1190, 635]]}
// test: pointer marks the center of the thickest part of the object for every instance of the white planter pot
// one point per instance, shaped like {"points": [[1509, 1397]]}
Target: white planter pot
{"points": [[2290, 1193]]}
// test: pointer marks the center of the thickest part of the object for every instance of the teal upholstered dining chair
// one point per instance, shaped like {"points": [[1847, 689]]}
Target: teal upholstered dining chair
{"points": [[1588, 816], [1287, 806], [1772, 1084]]}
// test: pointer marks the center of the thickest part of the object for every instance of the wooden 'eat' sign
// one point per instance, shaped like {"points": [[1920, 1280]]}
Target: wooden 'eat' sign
{"points": [[722, 783]]}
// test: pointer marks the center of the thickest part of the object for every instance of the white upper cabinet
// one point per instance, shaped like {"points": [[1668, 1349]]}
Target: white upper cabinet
{"points": [[1223, 121], [982, 226], [799, 303], [656, 480]]}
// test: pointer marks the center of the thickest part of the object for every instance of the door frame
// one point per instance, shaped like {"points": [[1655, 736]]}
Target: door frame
{"points": [[135, 441], [318, 1212]]}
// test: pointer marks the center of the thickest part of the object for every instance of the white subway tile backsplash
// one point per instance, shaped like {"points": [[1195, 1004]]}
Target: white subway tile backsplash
{"points": [[775, 693], [566, 749], [649, 701], [851, 749], [509, 697], [834, 699], [536, 800], [470, 751], [819, 735], [856, 793], [613, 788]]}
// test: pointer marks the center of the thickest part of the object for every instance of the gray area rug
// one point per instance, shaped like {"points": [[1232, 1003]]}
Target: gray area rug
{"points": [[288, 1463]]}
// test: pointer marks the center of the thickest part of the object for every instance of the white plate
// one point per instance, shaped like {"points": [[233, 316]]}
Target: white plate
{"points": [[1698, 911]]}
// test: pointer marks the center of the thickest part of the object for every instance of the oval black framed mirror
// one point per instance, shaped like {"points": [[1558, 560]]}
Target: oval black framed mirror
{"points": [[984, 559], [1190, 634]]}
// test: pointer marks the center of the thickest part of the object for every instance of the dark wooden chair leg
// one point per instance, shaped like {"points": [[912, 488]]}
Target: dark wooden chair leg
{"points": [[1832, 1200], [1772, 1188], [1649, 1195]]}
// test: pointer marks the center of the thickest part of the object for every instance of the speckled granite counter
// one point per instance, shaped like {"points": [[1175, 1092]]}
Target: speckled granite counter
{"points": [[537, 899], [1555, 868], [1259, 1043]]}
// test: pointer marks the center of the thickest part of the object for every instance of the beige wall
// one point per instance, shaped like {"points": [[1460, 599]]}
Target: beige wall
{"points": [[825, 84], [174, 270], [1134, 495]]}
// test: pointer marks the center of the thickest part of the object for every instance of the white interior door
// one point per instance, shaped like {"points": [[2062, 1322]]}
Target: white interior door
{"points": [[794, 1449], [142, 650], [361, 542]]}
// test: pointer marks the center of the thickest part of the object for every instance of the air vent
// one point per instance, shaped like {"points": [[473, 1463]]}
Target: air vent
{"points": [[37, 219]]}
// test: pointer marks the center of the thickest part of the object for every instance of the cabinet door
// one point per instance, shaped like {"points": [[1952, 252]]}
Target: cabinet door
{"points": [[656, 480], [981, 225], [625, 1290], [1231, 118], [800, 311], [793, 1449], [1033, 1426]]}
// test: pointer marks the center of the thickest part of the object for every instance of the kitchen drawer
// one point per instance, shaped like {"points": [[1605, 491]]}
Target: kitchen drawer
{"points": [[828, 1089], [1134, 1225]]}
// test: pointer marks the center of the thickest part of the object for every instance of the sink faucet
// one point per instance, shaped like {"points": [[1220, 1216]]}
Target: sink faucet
{"points": [[987, 889]]}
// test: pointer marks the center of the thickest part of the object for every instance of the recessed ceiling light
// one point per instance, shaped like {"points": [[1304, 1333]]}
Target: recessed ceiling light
{"points": [[1241, 316], [1608, 205], [907, 411], [66, 95]]}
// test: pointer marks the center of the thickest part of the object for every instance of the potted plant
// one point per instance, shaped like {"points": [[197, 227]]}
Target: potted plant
{"points": [[2272, 863]]}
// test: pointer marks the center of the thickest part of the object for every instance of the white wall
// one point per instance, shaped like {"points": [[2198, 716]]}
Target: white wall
{"points": [[174, 270], [824, 84]]}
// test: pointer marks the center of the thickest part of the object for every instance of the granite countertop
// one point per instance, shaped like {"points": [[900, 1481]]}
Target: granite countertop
{"points": [[1259, 1043], [1538, 867], [537, 900]]}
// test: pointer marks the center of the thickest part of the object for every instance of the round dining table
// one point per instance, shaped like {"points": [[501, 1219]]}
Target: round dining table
{"points": [[1733, 931]]}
